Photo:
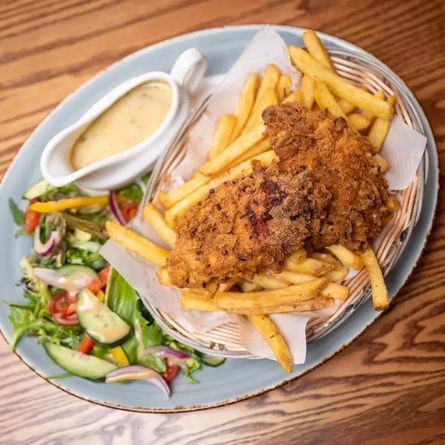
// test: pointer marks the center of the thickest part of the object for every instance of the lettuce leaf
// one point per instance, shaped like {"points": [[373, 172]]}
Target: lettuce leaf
{"points": [[122, 299]]}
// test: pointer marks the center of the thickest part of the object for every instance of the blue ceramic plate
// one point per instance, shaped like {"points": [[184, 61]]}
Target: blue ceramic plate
{"points": [[237, 379]]}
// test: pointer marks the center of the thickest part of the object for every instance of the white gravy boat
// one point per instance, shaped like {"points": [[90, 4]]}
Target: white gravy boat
{"points": [[121, 169]]}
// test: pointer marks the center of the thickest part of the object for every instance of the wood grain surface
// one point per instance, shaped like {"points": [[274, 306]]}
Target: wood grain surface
{"points": [[388, 387]]}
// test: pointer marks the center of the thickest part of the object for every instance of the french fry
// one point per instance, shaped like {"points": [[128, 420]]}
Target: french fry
{"points": [[174, 213], [259, 148], [296, 96], [382, 163], [267, 281], [358, 121], [393, 204], [346, 256], [339, 86], [269, 81], [283, 87], [307, 91], [137, 244], [346, 106], [326, 257], [238, 148], [380, 127], [248, 286], [196, 174], [294, 278], [378, 286], [274, 339], [326, 100], [309, 266], [256, 119], [156, 220], [245, 104], [192, 301], [226, 286], [335, 290], [338, 273], [223, 134], [380, 94], [316, 49], [236, 301], [319, 302], [171, 198], [164, 278], [298, 256]]}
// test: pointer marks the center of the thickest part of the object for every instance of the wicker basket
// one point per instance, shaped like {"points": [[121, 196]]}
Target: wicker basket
{"points": [[361, 69]]}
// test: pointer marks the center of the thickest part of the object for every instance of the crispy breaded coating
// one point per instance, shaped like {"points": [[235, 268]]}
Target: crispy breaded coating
{"points": [[340, 159], [245, 226], [326, 189]]}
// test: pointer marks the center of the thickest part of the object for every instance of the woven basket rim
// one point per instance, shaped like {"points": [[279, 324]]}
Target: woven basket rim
{"points": [[355, 64]]}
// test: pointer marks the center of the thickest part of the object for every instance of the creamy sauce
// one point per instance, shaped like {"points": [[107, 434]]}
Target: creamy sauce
{"points": [[109, 334], [130, 120]]}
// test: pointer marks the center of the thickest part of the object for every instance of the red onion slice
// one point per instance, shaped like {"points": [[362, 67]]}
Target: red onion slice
{"points": [[44, 250], [115, 208], [173, 356], [137, 372]]}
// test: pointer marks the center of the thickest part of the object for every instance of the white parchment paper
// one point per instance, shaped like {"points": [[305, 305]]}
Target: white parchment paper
{"points": [[403, 148]]}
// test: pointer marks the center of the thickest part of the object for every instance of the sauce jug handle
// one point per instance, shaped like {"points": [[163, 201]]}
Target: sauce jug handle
{"points": [[189, 69]]}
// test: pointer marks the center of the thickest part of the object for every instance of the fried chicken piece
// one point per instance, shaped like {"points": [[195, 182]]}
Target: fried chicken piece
{"points": [[340, 159], [245, 226]]}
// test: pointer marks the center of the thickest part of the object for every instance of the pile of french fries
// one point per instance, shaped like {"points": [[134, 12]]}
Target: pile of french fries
{"points": [[309, 280]]}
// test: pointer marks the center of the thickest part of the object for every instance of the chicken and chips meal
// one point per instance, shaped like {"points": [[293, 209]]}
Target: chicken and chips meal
{"points": [[291, 196]]}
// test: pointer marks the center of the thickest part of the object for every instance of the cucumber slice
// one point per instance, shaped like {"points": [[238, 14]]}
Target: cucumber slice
{"points": [[79, 364], [38, 189], [104, 326], [212, 360]]}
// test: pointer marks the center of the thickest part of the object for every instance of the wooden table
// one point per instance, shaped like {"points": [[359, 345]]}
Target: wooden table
{"points": [[388, 386]]}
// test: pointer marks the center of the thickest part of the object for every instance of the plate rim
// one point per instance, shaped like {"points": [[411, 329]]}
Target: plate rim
{"points": [[212, 31]]}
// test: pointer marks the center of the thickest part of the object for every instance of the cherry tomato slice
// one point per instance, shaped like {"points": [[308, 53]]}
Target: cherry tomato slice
{"points": [[95, 286], [103, 275], [71, 308], [31, 218], [58, 307], [129, 210], [170, 373]]}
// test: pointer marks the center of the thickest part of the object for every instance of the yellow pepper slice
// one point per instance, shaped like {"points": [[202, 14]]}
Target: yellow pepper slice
{"points": [[100, 295], [71, 203], [119, 355]]}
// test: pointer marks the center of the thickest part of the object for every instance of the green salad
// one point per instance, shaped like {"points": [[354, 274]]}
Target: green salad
{"points": [[88, 319]]}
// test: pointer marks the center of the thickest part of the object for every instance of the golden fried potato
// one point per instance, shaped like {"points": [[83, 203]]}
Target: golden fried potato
{"points": [[339, 86], [378, 286], [137, 244], [156, 220], [223, 134], [274, 339]]}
